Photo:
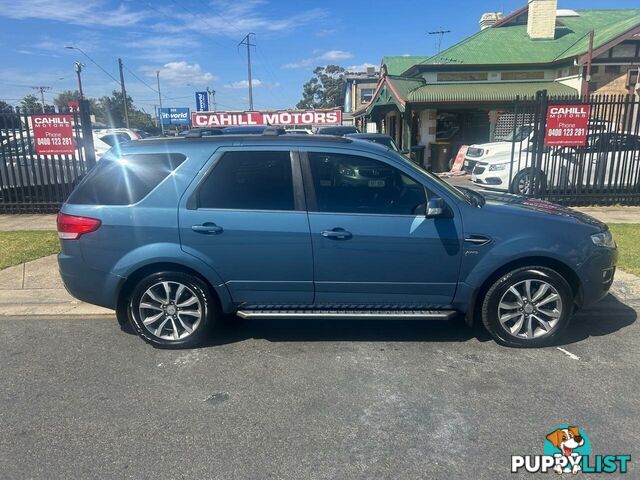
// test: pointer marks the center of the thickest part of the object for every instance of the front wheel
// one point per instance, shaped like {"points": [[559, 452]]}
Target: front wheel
{"points": [[171, 310], [524, 181], [528, 307]]}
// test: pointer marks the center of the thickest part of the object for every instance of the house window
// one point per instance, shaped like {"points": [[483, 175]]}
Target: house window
{"points": [[462, 77], [366, 94], [612, 69], [522, 76]]}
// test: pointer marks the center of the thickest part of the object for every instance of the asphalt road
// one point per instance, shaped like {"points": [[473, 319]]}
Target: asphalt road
{"points": [[309, 400]]}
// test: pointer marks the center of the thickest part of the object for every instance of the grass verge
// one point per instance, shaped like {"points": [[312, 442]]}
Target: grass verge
{"points": [[627, 236], [25, 245]]}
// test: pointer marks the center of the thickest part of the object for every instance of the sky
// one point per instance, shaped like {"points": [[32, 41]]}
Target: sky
{"points": [[194, 43]]}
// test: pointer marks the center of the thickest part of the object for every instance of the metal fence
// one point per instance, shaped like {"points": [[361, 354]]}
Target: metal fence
{"points": [[33, 183], [605, 170]]}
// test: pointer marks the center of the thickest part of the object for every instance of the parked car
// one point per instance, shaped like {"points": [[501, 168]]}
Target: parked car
{"points": [[173, 234], [129, 133], [380, 138], [298, 131], [338, 130], [608, 160], [201, 132], [518, 140]]}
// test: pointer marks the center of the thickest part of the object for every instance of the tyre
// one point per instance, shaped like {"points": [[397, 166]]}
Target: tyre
{"points": [[528, 307], [522, 183], [172, 310]]}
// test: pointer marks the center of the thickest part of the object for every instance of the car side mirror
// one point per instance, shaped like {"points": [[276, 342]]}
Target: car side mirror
{"points": [[436, 208]]}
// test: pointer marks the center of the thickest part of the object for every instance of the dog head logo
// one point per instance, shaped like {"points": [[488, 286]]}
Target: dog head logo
{"points": [[567, 441]]}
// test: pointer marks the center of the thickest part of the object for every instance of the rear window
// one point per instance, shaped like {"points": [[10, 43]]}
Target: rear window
{"points": [[125, 180]]}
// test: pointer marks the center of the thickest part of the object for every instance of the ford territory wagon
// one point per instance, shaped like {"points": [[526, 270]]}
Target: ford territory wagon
{"points": [[176, 233]]}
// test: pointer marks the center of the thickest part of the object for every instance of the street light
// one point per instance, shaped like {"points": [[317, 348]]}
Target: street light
{"points": [[70, 47]]}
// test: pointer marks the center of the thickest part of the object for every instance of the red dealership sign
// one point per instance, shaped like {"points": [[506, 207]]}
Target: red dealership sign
{"points": [[280, 118], [53, 134], [567, 125]]}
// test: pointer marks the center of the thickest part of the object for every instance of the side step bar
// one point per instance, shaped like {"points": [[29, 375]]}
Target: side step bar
{"points": [[350, 314]]}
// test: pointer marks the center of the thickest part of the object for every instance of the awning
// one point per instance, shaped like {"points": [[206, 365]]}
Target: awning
{"points": [[485, 92]]}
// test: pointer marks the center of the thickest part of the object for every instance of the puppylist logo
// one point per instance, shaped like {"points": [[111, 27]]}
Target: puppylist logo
{"points": [[568, 450]]}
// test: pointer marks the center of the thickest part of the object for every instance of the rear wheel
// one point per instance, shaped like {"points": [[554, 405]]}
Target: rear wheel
{"points": [[172, 310], [528, 307]]}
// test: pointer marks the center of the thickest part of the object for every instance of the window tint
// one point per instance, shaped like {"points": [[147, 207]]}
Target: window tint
{"points": [[354, 184], [125, 180], [249, 181]]}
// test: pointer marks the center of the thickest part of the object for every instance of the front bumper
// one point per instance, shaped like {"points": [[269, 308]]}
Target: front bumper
{"points": [[597, 275]]}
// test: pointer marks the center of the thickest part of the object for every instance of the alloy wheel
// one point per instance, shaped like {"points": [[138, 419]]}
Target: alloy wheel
{"points": [[170, 310], [530, 309]]}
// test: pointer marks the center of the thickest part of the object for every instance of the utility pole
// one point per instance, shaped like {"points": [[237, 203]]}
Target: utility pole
{"points": [[160, 102], [212, 99], [586, 87], [124, 94], [42, 90], [440, 34], [79, 66], [247, 41]]}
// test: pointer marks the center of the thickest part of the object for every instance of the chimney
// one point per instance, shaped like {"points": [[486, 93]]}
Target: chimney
{"points": [[371, 70], [541, 20], [489, 19]]}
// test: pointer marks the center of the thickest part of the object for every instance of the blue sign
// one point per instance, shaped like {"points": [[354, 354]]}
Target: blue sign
{"points": [[174, 116], [202, 101]]}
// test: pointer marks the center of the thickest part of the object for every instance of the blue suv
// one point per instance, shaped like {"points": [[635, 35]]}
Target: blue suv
{"points": [[175, 233]]}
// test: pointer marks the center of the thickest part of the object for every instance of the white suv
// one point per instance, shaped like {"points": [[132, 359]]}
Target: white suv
{"points": [[484, 152]]}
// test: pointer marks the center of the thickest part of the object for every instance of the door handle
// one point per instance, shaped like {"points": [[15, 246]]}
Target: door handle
{"points": [[207, 228], [336, 234]]}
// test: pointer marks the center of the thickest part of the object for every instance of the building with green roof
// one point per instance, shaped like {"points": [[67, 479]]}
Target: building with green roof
{"points": [[465, 93]]}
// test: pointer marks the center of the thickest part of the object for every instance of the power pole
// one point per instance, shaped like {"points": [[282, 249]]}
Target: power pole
{"points": [[42, 90], [124, 94], [79, 66], [160, 101], [212, 99], [440, 34], [247, 41]]}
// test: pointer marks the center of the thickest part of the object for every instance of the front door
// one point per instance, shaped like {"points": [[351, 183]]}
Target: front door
{"points": [[372, 243], [247, 221]]}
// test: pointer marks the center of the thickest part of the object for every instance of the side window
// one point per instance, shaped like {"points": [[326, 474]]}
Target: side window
{"points": [[125, 180], [249, 181], [355, 184]]}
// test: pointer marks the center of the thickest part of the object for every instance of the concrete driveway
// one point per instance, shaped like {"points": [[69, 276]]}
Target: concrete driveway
{"points": [[314, 399]]}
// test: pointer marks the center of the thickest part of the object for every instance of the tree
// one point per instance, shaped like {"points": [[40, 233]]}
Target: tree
{"points": [[111, 112], [62, 102], [5, 107], [325, 89], [30, 104]]}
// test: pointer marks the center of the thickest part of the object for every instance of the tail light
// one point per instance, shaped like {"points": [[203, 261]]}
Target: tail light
{"points": [[72, 227]]}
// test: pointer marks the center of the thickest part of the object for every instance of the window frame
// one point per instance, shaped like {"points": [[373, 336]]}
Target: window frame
{"points": [[296, 179], [309, 188]]}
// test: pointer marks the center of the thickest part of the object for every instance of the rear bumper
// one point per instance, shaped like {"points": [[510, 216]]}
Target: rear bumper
{"points": [[597, 275], [87, 284]]}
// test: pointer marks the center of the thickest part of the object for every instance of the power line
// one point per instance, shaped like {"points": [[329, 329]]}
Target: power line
{"points": [[140, 80], [42, 90]]}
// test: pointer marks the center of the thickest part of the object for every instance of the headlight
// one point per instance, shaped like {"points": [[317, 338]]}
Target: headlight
{"points": [[498, 166], [603, 239]]}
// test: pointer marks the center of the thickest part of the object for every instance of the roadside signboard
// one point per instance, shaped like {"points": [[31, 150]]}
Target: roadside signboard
{"points": [[73, 105], [279, 118], [202, 101], [53, 134], [174, 116], [567, 125]]}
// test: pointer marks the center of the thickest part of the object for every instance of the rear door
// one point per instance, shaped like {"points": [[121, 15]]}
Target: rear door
{"points": [[246, 218]]}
